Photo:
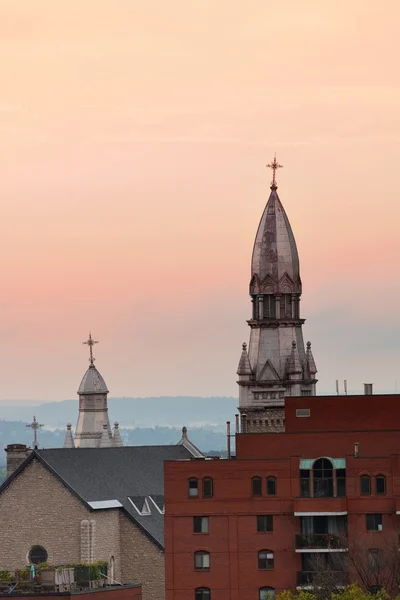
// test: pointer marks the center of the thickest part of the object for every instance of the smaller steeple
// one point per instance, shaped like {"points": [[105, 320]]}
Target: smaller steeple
{"points": [[294, 366], [244, 367], [186, 443], [105, 441], [310, 360], [117, 442], [69, 440]]}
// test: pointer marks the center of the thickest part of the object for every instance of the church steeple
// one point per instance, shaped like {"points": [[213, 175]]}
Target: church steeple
{"points": [[93, 409], [277, 358]]}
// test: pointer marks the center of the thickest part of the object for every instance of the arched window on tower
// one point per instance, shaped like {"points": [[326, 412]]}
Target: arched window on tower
{"points": [[256, 486], [323, 478], [365, 485], [380, 485]]}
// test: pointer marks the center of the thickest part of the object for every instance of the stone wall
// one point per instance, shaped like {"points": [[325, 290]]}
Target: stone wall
{"points": [[36, 509], [142, 561]]}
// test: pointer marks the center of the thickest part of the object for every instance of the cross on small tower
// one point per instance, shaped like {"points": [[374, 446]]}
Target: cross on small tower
{"points": [[274, 166], [90, 342], [35, 426]]}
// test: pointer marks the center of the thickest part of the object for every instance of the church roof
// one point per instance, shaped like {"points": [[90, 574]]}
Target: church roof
{"points": [[100, 475], [275, 261], [92, 382]]}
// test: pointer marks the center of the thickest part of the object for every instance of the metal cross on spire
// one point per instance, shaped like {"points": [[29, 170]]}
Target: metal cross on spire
{"points": [[274, 166], [90, 342], [35, 426]]}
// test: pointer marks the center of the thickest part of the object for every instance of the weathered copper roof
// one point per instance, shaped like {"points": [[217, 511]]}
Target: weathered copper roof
{"points": [[275, 261]]}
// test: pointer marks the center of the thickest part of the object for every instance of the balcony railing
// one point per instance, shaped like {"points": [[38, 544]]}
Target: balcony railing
{"points": [[328, 541], [341, 578]]}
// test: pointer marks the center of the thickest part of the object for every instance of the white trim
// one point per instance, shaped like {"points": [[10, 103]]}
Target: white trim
{"points": [[103, 504], [304, 550], [320, 514]]}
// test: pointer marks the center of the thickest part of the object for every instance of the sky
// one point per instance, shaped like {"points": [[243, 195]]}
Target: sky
{"points": [[133, 143]]}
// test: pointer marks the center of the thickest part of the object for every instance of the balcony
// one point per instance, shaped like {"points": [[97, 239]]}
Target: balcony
{"points": [[322, 542], [307, 578]]}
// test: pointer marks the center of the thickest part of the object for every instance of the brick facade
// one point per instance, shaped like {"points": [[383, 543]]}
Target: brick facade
{"points": [[132, 592], [36, 509], [233, 541]]}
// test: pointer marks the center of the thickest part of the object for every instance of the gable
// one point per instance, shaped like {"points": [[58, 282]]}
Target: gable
{"points": [[268, 373]]}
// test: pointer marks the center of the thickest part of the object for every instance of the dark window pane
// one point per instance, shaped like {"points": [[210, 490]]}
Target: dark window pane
{"points": [[256, 486], [193, 487], [365, 485], [37, 555], [305, 488], [264, 523], [374, 522], [271, 486], [207, 487], [200, 524], [381, 484], [341, 487], [265, 559], [202, 594]]}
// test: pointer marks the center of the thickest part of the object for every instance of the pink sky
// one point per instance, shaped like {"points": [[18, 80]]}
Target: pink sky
{"points": [[134, 138]]}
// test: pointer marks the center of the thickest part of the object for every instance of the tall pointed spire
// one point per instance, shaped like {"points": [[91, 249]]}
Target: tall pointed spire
{"points": [[273, 366], [69, 440]]}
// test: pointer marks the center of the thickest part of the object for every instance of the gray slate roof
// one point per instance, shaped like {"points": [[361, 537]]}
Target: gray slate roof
{"points": [[95, 474]]}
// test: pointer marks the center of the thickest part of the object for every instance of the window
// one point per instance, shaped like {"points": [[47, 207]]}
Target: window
{"points": [[200, 524], [380, 485], [265, 559], [365, 485], [375, 559], [265, 523], [256, 486], [271, 486], [304, 483], [303, 412], [207, 487], [323, 478], [266, 593], [193, 488], [201, 560], [202, 594], [374, 522], [37, 555]]}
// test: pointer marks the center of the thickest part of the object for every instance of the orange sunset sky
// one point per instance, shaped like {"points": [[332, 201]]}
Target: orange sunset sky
{"points": [[133, 142]]}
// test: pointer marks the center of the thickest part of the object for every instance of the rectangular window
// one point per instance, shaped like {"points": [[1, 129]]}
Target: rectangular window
{"points": [[304, 483], [271, 486], [380, 485], [200, 524], [265, 524], [374, 522], [201, 560], [193, 488], [341, 482], [303, 412]]}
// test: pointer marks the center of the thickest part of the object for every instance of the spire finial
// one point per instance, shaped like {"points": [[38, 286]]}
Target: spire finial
{"points": [[244, 346], [35, 426], [90, 342], [274, 166]]}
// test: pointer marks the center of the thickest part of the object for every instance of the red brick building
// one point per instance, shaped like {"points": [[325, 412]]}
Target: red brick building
{"points": [[244, 528]]}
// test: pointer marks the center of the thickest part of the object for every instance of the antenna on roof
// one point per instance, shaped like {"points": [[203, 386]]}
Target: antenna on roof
{"points": [[337, 386], [345, 387]]}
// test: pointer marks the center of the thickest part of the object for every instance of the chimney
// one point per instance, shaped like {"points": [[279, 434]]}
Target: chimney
{"points": [[16, 454], [228, 439], [237, 423], [368, 389]]}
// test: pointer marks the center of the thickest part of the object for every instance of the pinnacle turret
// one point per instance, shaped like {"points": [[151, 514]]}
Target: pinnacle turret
{"points": [[244, 367], [69, 440]]}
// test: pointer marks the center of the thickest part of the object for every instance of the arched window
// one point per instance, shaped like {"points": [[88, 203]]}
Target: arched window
{"points": [[323, 478], [202, 560], [37, 555], [380, 485], [271, 486], [256, 486], [193, 487], [265, 559], [266, 593], [207, 487], [365, 485], [202, 594]]}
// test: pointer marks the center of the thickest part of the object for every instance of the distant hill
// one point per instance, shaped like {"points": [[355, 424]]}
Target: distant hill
{"points": [[132, 412]]}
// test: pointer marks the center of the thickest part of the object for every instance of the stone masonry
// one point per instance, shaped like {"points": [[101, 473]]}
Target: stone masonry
{"points": [[36, 509]]}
